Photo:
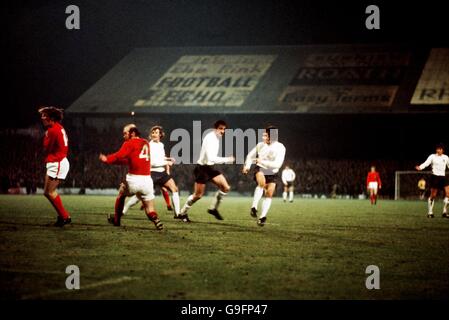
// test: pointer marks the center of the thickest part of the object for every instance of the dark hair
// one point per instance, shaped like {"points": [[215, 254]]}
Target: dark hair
{"points": [[272, 132], [135, 131], [220, 123], [440, 146], [161, 131], [53, 113]]}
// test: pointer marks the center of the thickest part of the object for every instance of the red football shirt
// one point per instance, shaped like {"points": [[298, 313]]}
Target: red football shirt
{"points": [[136, 153], [373, 177], [56, 143]]}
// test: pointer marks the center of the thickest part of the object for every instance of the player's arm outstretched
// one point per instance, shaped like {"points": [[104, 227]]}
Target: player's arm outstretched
{"points": [[425, 164], [116, 158], [250, 159]]}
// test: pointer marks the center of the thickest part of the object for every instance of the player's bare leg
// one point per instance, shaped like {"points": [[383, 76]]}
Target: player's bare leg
{"points": [[198, 193], [152, 214], [258, 193], [269, 191], [285, 193], [223, 189], [431, 201], [372, 195], [171, 185], [446, 202], [50, 186]]}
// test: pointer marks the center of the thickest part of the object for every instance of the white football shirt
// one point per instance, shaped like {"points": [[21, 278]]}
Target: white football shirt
{"points": [[271, 157], [439, 164], [209, 151], [157, 156], [288, 175]]}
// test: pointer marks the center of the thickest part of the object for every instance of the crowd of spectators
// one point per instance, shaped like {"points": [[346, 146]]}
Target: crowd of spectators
{"points": [[21, 165]]}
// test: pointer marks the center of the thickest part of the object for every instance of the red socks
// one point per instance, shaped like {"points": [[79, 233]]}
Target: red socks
{"points": [[152, 215], [57, 204], [119, 204], [166, 197]]}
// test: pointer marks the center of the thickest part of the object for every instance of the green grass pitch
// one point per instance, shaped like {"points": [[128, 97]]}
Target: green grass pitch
{"points": [[309, 249]]}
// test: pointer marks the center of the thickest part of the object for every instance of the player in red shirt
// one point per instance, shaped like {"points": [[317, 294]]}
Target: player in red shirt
{"points": [[135, 152], [373, 184], [56, 146]]}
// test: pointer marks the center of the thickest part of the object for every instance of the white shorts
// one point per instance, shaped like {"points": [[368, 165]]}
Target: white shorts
{"points": [[141, 186], [372, 185], [58, 170]]}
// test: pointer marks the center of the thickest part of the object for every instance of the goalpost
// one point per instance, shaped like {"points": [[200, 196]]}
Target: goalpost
{"points": [[406, 183]]}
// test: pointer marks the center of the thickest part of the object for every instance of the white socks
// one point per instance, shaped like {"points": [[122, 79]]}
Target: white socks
{"points": [[175, 197], [446, 203], [217, 199], [131, 202], [430, 203], [265, 207], [189, 203], [258, 193], [290, 196]]}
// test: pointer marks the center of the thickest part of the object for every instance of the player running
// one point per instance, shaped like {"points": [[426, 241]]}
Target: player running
{"points": [[205, 171], [268, 156], [56, 146], [373, 184], [135, 152], [438, 180], [160, 164], [288, 177]]}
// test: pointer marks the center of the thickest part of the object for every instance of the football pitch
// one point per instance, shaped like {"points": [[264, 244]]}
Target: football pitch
{"points": [[309, 249]]}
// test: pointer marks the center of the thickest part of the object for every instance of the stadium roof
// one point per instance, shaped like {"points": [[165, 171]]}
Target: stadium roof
{"points": [[273, 79]]}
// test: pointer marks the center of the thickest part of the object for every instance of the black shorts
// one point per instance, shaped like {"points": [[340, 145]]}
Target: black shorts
{"points": [[160, 178], [438, 182], [271, 178], [204, 174], [289, 184]]}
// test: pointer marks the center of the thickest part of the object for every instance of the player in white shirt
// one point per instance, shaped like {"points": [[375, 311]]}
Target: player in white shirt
{"points": [[205, 172], [268, 156], [288, 177], [160, 164], [438, 180]]}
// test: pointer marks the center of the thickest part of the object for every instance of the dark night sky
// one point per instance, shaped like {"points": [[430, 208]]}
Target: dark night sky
{"points": [[47, 64]]}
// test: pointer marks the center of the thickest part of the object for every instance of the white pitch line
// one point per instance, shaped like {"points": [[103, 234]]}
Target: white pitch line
{"points": [[88, 286], [29, 271]]}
